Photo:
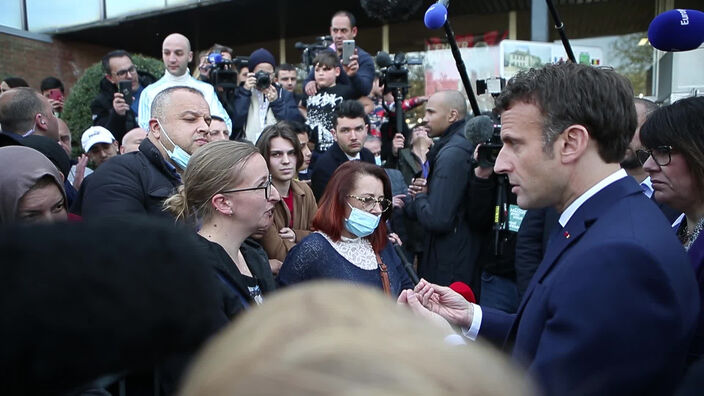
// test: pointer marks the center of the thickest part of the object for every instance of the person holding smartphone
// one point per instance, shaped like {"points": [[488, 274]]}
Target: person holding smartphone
{"points": [[357, 68], [53, 89], [116, 106]]}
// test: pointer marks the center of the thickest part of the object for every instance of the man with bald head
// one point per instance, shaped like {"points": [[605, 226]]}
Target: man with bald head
{"points": [[24, 111], [176, 54], [439, 203], [132, 140], [138, 182]]}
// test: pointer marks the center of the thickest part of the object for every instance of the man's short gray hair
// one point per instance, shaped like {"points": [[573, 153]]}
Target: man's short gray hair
{"points": [[162, 99]]}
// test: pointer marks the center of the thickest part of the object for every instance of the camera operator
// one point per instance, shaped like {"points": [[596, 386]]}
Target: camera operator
{"points": [[110, 108], [258, 102], [492, 211], [359, 72]]}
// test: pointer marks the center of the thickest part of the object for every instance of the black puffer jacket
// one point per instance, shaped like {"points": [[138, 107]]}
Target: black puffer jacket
{"points": [[104, 114], [136, 183]]}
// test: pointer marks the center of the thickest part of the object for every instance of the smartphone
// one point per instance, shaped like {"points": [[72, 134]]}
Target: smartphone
{"points": [[125, 88], [55, 94], [347, 51]]}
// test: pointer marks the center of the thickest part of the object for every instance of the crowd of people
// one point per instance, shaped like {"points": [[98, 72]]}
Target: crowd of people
{"points": [[576, 249]]}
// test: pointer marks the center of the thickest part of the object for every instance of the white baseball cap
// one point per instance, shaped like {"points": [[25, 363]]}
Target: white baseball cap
{"points": [[95, 134]]}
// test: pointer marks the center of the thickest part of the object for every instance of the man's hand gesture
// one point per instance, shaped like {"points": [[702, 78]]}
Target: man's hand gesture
{"points": [[445, 302]]}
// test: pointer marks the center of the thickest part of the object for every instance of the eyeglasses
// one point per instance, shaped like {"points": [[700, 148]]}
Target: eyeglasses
{"points": [[123, 73], [266, 187], [661, 155], [368, 203]]}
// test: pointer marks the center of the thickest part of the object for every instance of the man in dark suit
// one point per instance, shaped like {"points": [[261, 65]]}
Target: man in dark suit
{"points": [[349, 134], [613, 305]]}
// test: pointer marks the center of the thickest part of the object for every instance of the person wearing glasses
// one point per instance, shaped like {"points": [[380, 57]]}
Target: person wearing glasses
{"points": [[634, 165], [674, 158], [227, 187], [349, 132], [110, 109], [350, 241]]}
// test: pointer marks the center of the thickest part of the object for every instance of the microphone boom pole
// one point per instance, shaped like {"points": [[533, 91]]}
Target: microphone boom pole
{"points": [[461, 68], [560, 27]]}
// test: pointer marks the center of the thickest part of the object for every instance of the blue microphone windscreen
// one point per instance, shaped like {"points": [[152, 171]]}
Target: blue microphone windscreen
{"points": [[214, 57], [677, 30], [436, 16]]}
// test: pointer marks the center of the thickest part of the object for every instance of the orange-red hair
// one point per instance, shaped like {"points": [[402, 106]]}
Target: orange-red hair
{"points": [[330, 217]]}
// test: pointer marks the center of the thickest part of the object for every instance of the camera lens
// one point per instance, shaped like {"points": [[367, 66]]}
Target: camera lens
{"points": [[263, 79]]}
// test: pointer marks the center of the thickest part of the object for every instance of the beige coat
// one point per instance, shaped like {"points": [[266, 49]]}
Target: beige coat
{"points": [[304, 208]]}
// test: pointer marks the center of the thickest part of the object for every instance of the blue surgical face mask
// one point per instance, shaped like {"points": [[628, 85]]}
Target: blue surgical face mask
{"points": [[179, 156], [361, 223]]}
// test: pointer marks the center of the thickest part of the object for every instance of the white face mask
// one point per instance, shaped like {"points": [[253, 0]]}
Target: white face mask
{"points": [[179, 156]]}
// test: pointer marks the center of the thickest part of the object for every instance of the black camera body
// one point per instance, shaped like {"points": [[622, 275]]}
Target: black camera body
{"points": [[310, 51], [263, 80], [394, 74], [489, 150], [223, 71]]}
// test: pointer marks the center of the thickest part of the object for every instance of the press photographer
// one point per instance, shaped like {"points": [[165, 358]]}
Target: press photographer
{"points": [[258, 101], [393, 81], [492, 210], [220, 70]]}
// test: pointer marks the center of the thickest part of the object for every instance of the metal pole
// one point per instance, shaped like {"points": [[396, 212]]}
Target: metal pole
{"points": [[560, 27], [461, 68]]}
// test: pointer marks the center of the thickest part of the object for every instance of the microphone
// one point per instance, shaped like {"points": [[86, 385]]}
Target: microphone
{"points": [[383, 59], [677, 30], [464, 290], [479, 129], [436, 15], [214, 57]]}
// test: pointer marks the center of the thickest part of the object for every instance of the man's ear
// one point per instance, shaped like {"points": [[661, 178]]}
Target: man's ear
{"points": [[154, 128], [573, 143], [337, 71], [117, 146], [453, 115], [190, 56], [109, 77], [354, 31], [40, 122], [334, 134]]}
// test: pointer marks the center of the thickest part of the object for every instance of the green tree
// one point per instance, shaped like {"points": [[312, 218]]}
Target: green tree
{"points": [[634, 60], [76, 111]]}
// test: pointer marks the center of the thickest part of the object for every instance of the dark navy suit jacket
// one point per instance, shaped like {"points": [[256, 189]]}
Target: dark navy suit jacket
{"points": [[612, 306]]}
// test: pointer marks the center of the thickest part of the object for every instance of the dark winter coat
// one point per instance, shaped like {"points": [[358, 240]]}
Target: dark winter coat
{"points": [[104, 114], [136, 183]]}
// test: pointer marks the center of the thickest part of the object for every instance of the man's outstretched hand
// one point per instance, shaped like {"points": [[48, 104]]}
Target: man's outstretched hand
{"points": [[445, 302]]}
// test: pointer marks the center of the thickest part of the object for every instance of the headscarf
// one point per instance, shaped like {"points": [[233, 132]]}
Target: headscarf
{"points": [[20, 169]]}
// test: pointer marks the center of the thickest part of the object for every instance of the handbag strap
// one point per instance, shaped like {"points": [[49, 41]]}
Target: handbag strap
{"points": [[384, 275]]}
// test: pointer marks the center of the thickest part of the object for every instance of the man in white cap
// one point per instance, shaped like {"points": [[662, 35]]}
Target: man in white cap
{"points": [[99, 144]]}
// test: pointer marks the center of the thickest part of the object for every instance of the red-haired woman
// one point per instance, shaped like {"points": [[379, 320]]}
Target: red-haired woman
{"points": [[350, 242]]}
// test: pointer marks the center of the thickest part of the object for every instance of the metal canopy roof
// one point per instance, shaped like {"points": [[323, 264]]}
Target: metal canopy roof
{"points": [[239, 22]]}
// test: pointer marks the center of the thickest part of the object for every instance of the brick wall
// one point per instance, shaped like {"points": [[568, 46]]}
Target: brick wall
{"points": [[34, 60]]}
